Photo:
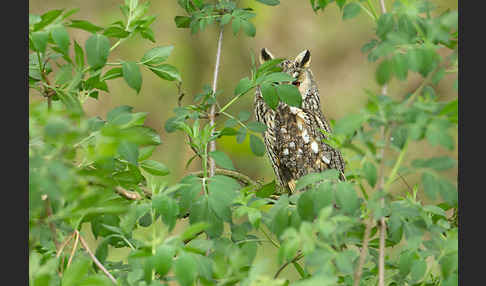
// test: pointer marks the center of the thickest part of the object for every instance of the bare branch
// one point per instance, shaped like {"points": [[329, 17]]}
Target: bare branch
{"points": [[296, 258], [127, 194], [95, 260], [52, 227], [362, 255], [76, 233], [234, 174], [212, 111]]}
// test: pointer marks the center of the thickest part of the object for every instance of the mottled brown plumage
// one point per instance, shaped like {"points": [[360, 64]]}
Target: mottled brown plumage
{"points": [[293, 139]]}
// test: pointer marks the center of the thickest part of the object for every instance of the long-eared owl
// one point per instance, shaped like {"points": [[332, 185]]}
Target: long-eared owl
{"points": [[293, 138]]}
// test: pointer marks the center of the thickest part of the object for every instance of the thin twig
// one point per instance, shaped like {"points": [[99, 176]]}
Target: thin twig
{"points": [[68, 239], [212, 111], [362, 255], [383, 7], [96, 261], [296, 258], [385, 134], [127, 194], [76, 233], [234, 174], [381, 261], [51, 224]]}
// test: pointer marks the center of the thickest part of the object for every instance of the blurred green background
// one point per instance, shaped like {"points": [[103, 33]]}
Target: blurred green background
{"points": [[341, 70]]}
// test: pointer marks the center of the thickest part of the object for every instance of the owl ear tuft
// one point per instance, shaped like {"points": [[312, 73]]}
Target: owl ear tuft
{"points": [[304, 59], [265, 55]]}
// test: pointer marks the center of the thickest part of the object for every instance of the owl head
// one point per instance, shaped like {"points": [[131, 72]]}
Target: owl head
{"points": [[298, 67]]}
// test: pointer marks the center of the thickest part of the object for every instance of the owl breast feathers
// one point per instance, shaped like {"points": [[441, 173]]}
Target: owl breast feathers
{"points": [[293, 139]]}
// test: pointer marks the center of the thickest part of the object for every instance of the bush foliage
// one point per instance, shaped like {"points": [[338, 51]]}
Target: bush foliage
{"points": [[97, 171]]}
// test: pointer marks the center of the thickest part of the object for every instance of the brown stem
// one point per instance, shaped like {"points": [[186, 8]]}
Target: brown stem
{"points": [[385, 134], [127, 194], [381, 261], [234, 174], [52, 227], [212, 111], [296, 258], [76, 233], [362, 255], [95, 260]]}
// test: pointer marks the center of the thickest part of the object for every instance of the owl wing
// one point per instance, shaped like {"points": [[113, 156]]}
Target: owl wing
{"points": [[302, 150]]}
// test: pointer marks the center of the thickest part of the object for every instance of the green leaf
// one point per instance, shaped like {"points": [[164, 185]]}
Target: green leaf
{"points": [[97, 50], [115, 32], [48, 18], [323, 196], [40, 40], [244, 115], [85, 25], [431, 186], [384, 25], [155, 168], [132, 75], [437, 133], [64, 74], [76, 272], [96, 280], [249, 28], [344, 262], [448, 264], [305, 206], [222, 160], [437, 163], [61, 38], [193, 230], [166, 71], [145, 153], [185, 269], [128, 151], [117, 112], [162, 260], [157, 55], [167, 208], [225, 19], [182, 21], [266, 190], [349, 124], [269, 2], [346, 197], [113, 73], [418, 270], [243, 86], [405, 263], [79, 55], [399, 136], [340, 3], [256, 145], [370, 173], [34, 19], [256, 126], [312, 178], [448, 191], [289, 94], [384, 72], [351, 10], [269, 94], [241, 136], [400, 66], [222, 192], [236, 25], [277, 77]]}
